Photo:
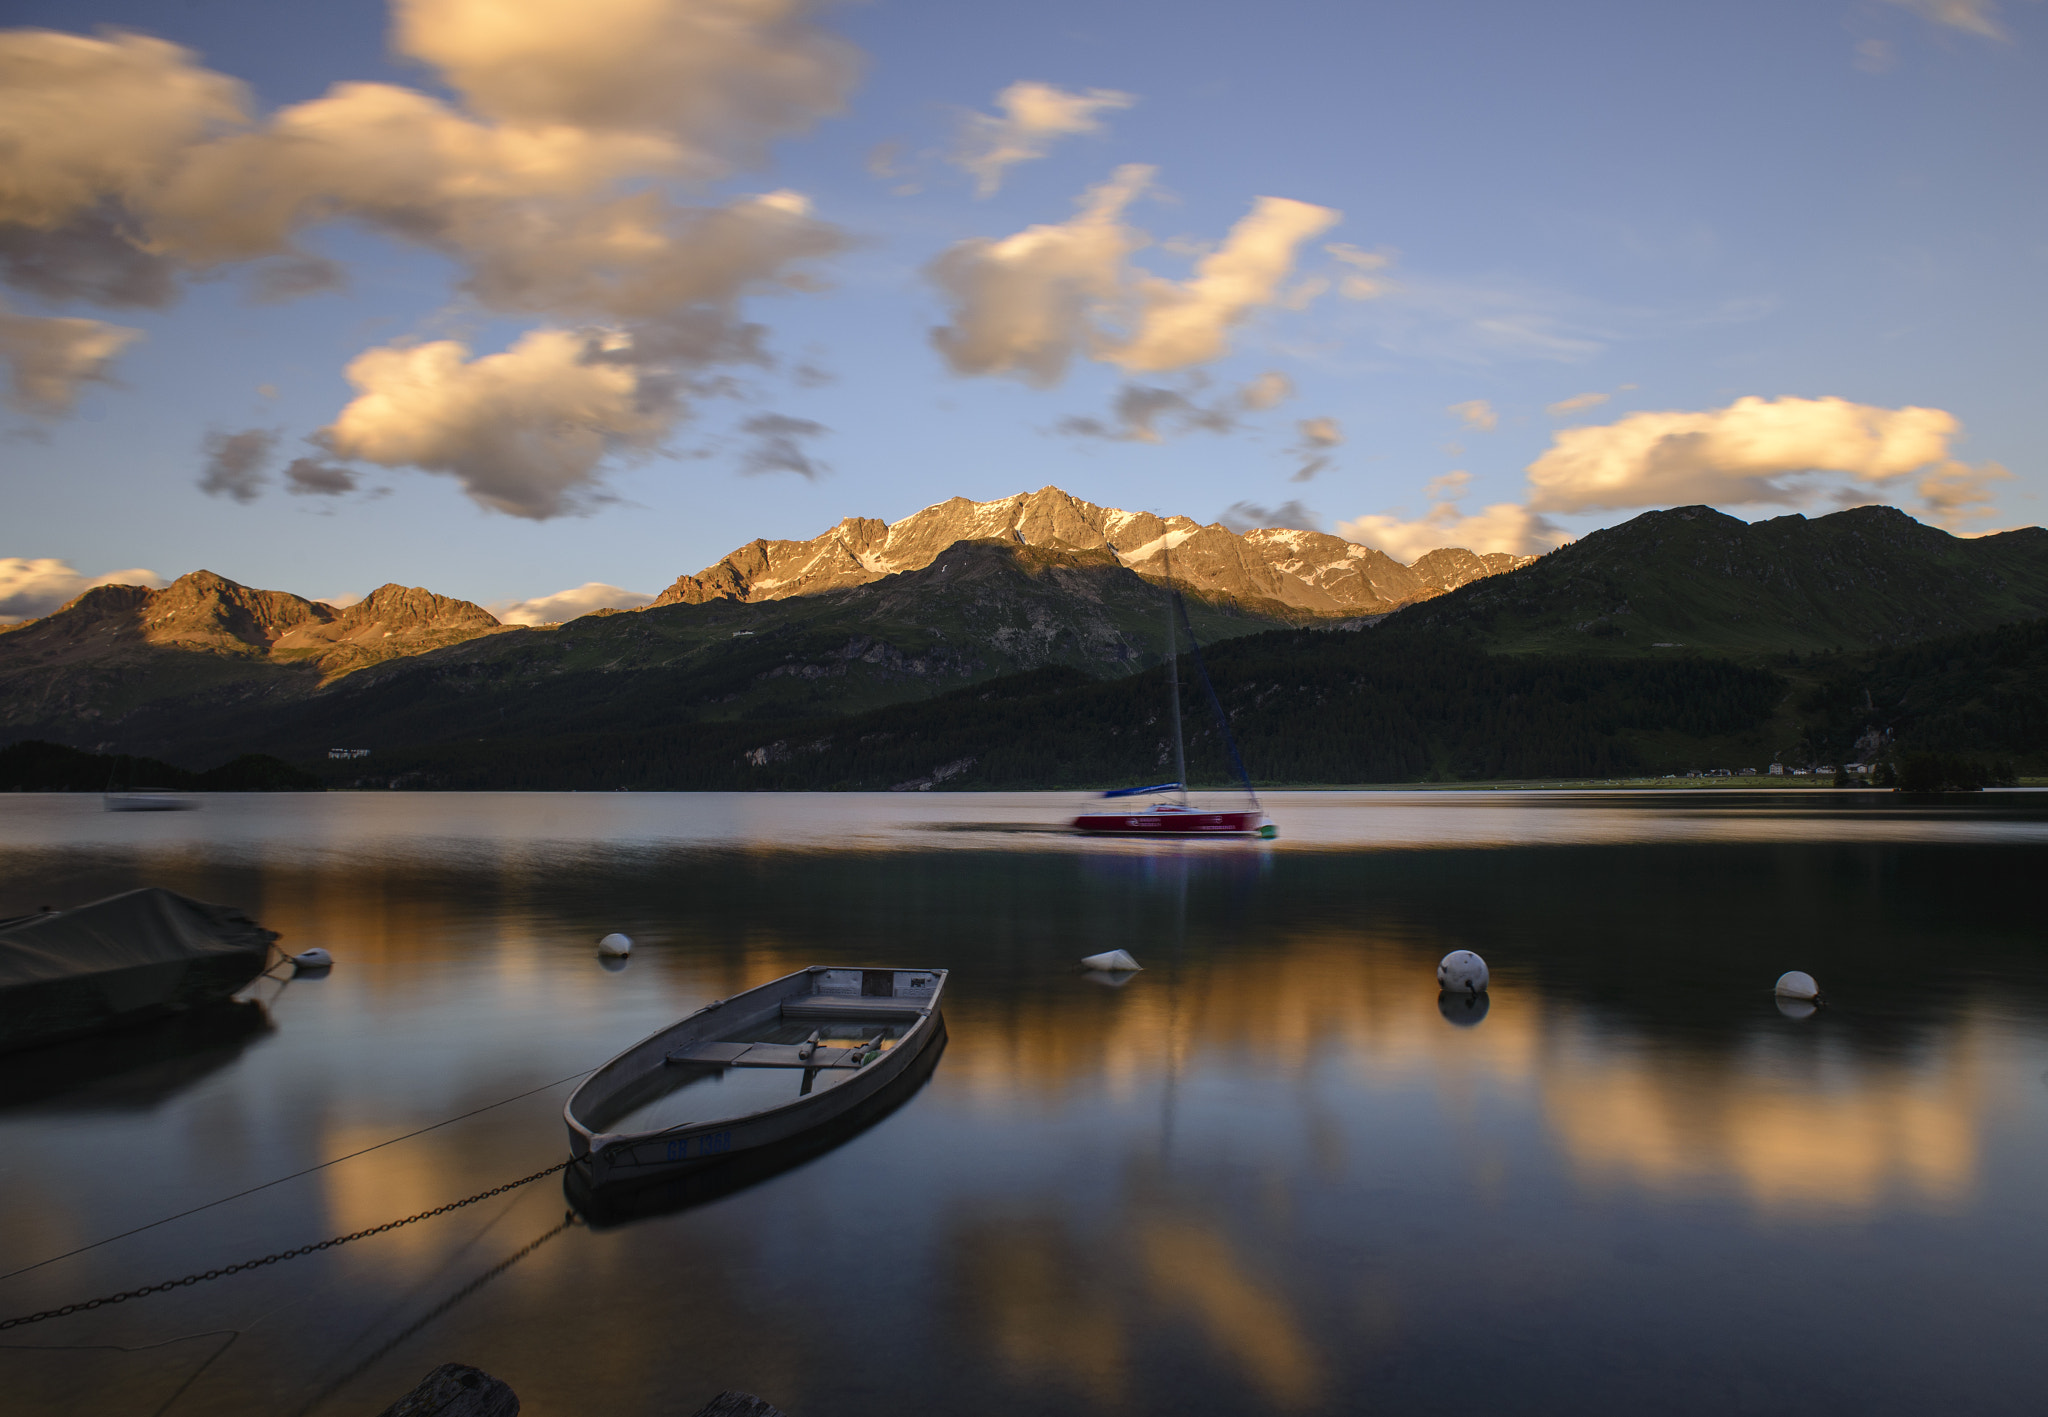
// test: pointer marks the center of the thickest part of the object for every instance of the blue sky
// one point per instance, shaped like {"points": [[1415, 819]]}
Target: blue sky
{"points": [[1797, 250]]}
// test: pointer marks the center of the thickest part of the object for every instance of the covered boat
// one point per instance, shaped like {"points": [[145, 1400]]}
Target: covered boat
{"points": [[122, 960], [760, 1069]]}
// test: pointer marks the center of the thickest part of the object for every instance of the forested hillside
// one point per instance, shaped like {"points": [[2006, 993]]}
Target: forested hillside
{"points": [[1306, 706]]}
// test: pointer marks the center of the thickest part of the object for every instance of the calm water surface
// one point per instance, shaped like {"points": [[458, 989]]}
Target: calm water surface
{"points": [[1266, 1174]]}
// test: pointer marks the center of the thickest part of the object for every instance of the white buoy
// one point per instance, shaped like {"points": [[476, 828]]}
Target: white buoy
{"points": [[1796, 984], [1461, 972], [1115, 961], [615, 944], [313, 959]]}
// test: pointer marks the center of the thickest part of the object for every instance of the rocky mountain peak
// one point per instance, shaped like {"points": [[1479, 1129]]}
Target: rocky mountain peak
{"points": [[397, 608], [1291, 573], [206, 610]]}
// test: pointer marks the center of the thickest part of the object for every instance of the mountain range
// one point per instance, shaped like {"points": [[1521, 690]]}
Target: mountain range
{"points": [[1286, 574], [782, 636], [866, 613]]}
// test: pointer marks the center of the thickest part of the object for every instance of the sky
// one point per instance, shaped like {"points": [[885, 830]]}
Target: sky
{"points": [[543, 303]]}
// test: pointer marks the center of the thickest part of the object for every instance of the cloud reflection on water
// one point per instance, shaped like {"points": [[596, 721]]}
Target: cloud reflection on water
{"points": [[1266, 1173]]}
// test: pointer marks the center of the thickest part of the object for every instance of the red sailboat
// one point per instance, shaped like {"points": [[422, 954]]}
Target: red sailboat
{"points": [[1171, 814]]}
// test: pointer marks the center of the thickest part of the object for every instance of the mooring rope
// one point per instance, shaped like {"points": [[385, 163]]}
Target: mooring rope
{"points": [[87, 1305], [295, 1175]]}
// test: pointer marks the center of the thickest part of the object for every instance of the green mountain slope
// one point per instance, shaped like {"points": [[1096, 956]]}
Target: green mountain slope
{"points": [[1695, 580]]}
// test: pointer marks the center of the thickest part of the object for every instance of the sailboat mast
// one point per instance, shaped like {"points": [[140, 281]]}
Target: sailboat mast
{"points": [[1180, 765]]}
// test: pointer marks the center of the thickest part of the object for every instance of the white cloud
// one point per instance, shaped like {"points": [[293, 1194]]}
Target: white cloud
{"points": [[778, 446], [1022, 305], [1448, 487], [1318, 436], [720, 78], [1953, 495], [533, 217], [1738, 455], [31, 587], [1320, 433], [49, 358], [1577, 403], [128, 162], [235, 463], [313, 477], [1269, 390], [1144, 414], [1476, 414], [564, 605], [1358, 281], [1181, 323], [83, 120], [1978, 17], [1505, 526], [522, 431], [89, 256], [1034, 116], [1027, 304], [1753, 451]]}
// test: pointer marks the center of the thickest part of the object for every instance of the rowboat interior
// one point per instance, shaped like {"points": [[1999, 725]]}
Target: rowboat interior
{"points": [[798, 1038], [716, 1081]]}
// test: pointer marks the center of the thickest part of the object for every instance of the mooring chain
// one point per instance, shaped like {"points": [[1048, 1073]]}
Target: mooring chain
{"points": [[88, 1305]]}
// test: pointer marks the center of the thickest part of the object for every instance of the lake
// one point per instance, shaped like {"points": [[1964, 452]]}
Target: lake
{"points": [[1270, 1172]]}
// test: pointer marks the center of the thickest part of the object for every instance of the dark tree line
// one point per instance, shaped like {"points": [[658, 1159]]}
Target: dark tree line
{"points": [[1305, 706], [1983, 697], [35, 766]]}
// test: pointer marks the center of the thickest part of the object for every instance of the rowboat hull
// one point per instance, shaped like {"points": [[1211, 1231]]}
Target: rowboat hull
{"points": [[1173, 823], [606, 1160], [700, 1183]]}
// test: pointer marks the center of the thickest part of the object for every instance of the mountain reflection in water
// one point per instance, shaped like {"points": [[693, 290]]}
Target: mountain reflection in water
{"points": [[1272, 1170]]}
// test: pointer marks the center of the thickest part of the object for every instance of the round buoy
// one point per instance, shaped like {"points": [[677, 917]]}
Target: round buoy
{"points": [[615, 944], [1461, 972], [1796, 984], [1112, 961], [310, 960], [1462, 1010], [612, 964]]}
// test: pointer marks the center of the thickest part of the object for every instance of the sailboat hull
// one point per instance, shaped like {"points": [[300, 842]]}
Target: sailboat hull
{"points": [[1176, 822]]}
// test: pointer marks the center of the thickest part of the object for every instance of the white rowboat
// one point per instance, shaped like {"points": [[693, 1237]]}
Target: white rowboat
{"points": [[755, 1070]]}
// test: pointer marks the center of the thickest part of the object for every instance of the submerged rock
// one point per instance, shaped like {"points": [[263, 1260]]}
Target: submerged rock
{"points": [[457, 1390], [737, 1404]]}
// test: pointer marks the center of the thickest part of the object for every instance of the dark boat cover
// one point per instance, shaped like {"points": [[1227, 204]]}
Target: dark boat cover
{"points": [[118, 960]]}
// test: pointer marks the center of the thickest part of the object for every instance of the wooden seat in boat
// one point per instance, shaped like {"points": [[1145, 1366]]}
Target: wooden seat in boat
{"points": [[763, 1055], [852, 1006]]}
